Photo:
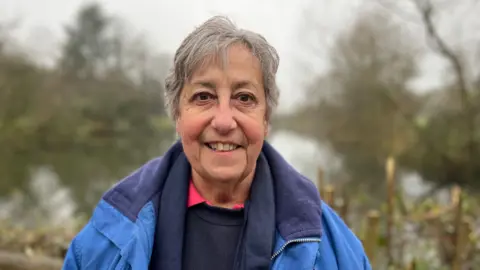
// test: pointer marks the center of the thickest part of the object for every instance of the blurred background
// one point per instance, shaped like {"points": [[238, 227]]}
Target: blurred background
{"points": [[380, 107]]}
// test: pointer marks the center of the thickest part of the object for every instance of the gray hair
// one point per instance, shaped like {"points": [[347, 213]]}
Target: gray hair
{"points": [[214, 37]]}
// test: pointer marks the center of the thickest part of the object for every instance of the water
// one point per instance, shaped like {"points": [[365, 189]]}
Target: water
{"points": [[304, 154]]}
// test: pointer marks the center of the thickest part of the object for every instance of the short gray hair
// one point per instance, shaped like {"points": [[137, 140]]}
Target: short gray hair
{"points": [[214, 37]]}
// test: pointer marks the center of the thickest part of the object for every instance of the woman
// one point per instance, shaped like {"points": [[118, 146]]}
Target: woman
{"points": [[221, 197]]}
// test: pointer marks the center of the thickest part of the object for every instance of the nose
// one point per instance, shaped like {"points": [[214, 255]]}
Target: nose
{"points": [[223, 120]]}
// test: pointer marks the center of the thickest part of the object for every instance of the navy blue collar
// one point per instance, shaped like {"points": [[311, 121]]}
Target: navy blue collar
{"points": [[297, 202]]}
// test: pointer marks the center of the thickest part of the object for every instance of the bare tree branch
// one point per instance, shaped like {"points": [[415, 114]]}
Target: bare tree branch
{"points": [[426, 11], [392, 7]]}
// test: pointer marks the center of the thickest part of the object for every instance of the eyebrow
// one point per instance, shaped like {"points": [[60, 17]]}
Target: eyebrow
{"points": [[205, 83], [236, 85], [243, 84]]}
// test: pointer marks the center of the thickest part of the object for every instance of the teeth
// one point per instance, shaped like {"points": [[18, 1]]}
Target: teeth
{"points": [[223, 146]]}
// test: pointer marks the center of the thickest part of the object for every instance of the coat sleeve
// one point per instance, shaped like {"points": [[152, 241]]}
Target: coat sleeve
{"points": [[340, 246], [71, 261], [366, 264], [90, 249]]}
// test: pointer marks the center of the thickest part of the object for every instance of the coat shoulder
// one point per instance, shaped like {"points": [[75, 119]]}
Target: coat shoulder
{"points": [[339, 243]]}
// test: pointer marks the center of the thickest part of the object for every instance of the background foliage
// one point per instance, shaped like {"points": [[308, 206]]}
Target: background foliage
{"points": [[97, 113]]}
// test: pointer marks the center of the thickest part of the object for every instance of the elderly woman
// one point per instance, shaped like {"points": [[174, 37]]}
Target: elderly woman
{"points": [[220, 198]]}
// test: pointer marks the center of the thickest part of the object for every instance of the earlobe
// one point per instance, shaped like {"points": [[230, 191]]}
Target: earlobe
{"points": [[177, 130], [267, 128], [177, 125]]}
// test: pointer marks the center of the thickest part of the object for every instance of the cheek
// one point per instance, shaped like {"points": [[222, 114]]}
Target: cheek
{"points": [[254, 131], [190, 128]]}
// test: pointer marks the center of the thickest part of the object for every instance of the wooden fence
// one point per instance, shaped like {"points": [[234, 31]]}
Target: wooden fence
{"points": [[377, 219]]}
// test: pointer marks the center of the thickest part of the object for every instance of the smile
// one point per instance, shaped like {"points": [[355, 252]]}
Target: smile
{"points": [[222, 147]]}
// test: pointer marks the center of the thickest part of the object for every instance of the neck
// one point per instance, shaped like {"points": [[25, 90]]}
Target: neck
{"points": [[223, 193]]}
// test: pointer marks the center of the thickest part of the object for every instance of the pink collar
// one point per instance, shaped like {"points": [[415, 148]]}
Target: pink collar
{"points": [[195, 198]]}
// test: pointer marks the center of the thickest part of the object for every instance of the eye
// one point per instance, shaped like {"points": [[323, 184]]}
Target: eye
{"points": [[203, 96], [246, 98]]}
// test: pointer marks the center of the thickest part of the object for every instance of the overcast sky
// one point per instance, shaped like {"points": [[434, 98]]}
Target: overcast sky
{"points": [[166, 23]]}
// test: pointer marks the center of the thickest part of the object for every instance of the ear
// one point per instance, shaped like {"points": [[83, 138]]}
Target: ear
{"points": [[177, 129], [266, 128], [177, 125]]}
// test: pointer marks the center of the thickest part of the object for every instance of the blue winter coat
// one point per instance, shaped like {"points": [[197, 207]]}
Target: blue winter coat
{"points": [[120, 233]]}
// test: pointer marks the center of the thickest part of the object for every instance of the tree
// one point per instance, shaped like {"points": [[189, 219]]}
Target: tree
{"points": [[112, 93], [371, 111], [93, 119], [363, 102], [86, 50], [19, 118], [451, 126]]}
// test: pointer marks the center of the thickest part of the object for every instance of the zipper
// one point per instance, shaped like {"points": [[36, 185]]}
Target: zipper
{"points": [[300, 240]]}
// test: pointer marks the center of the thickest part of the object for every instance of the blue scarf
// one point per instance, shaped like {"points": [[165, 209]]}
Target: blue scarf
{"points": [[258, 235]]}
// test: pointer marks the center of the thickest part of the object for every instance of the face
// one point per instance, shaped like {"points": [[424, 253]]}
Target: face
{"points": [[222, 121]]}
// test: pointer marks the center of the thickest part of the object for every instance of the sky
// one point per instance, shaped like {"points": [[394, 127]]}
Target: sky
{"points": [[287, 24]]}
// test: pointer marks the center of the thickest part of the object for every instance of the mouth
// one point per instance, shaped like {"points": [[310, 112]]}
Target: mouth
{"points": [[222, 147]]}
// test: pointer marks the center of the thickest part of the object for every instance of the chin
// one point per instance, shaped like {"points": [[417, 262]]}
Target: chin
{"points": [[225, 178], [224, 175]]}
